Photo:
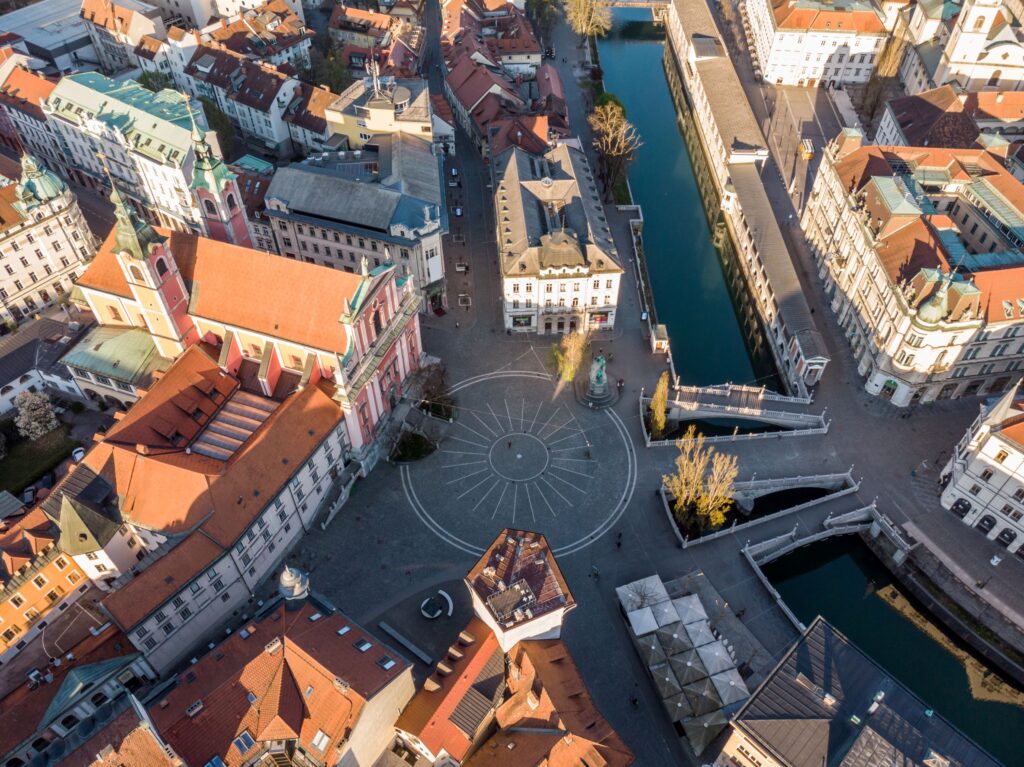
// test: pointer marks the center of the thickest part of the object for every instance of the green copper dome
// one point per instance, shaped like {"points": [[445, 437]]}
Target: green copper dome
{"points": [[132, 233], [38, 184]]}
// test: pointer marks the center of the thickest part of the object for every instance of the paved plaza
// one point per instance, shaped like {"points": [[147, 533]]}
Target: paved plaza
{"points": [[522, 454], [518, 453]]}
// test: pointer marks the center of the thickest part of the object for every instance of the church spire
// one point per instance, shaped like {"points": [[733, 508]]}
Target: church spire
{"points": [[132, 234]]}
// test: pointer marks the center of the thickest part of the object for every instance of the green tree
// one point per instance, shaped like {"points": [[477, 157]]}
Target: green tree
{"points": [[220, 123], [154, 81], [35, 416], [609, 98], [543, 14], [588, 17], [659, 402], [327, 68]]}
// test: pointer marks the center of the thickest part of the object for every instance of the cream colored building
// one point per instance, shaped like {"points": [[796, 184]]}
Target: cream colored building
{"points": [[116, 28], [394, 106], [920, 252], [985, 49], [145, 137], [560, 270], [812, 42], [985, 476], [44, 242]]}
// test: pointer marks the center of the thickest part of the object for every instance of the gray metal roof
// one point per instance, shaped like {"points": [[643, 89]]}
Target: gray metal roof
{"points": [[774, 254], [816, 709], [389, 183], [85, 510], [542, 202], [36, 345], [482, 697]]}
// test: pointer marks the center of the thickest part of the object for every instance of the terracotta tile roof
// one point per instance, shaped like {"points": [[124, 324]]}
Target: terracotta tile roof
{"points": [[174, 489], [24, 90], [148, 47], [126, 741], [309, 107], [130, 604], [429, 715], [107, 14], [441, 108], [549, 717], [22, 711], [470, 81], [790, 15], [176, 33], [269, 29], [518, 578], [253, 187], [1005, 106], [528, 132], [935, 118], [549, 82], [9, 215], [240, 286], [365, 21], [249, 82], [22, 539], [289, 677]]}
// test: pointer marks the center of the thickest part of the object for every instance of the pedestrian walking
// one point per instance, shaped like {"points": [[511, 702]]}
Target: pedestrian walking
{"points": [[510, 444], [635, 701], [456, 324], [618, 541]]}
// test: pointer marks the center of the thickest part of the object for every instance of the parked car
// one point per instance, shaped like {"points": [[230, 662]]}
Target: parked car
{"points": [[78, 454], [458, 213], [455, 172], [28, 495], [986, 523]]}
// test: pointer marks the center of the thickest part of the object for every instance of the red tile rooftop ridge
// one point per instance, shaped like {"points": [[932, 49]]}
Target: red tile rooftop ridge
{"points": [[518, 578]]}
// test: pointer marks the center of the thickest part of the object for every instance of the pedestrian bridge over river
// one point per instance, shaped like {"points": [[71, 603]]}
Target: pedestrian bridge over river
{"points": [[743, 403], [732, 558]]}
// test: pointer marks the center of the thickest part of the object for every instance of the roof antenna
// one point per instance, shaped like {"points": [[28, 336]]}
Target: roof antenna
{"points": [[374, 70]]}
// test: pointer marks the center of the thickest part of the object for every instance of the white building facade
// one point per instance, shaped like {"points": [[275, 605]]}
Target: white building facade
{"points": [[560, 270], [145, 137], [816, 43], [985, 476], [919, 328], [985, 50], [46, 247]]}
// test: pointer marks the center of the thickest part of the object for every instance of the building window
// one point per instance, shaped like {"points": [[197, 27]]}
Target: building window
{"points": [[1001, 456], [320, 740], [986, 475], [975, 489], [39, 581]]}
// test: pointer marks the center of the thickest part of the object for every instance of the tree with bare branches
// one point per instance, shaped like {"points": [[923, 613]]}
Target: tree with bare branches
{"points": [[567, 358], [703, 483], [588, 17], [615, 139], [659, 401]]}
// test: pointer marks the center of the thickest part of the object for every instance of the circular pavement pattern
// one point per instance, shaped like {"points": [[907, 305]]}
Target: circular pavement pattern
{"points": [[519, 456]]}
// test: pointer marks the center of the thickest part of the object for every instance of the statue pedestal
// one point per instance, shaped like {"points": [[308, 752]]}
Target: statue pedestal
{"points": [[597, 392]]}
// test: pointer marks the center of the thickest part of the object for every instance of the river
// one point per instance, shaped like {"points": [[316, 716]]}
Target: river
{"points": [[690, 291], [838, 579], [704, 320]]}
